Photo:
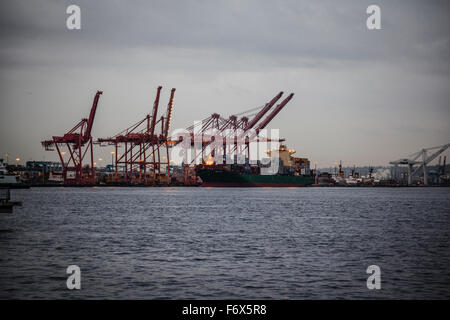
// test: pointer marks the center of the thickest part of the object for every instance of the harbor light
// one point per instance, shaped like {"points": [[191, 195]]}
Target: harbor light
{"points": [[210, 161]]}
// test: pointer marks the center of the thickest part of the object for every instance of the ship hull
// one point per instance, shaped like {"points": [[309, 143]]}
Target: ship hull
{"points": [[221, 178]]}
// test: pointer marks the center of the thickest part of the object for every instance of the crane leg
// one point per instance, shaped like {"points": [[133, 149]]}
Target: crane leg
{"points": [[425, 174], [409, 174]]}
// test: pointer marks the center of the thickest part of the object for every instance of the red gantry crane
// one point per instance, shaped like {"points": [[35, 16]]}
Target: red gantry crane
{"points": [[142, 150], [201, 132], [78, 142], [215, 121]]}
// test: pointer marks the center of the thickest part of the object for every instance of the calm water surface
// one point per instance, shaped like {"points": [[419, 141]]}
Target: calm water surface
{"points": [[172, 243]]}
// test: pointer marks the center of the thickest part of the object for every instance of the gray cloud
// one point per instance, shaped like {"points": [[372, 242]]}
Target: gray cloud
{"points": [[360, 95]]}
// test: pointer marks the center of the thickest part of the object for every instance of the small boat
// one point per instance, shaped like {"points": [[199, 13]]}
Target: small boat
{"points": [[8, 180]]}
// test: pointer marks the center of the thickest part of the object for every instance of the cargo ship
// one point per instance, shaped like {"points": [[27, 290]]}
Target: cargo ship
{"points": [[292, 172], [222, 178]]}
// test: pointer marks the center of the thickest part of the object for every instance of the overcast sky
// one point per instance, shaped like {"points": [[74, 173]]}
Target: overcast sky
{"points": [[361, 96]]}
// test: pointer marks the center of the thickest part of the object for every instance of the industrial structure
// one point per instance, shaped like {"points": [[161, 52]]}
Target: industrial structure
{"points": [[208, 129], [240, 130], [78, 142], [142, 150], [422, 159]]}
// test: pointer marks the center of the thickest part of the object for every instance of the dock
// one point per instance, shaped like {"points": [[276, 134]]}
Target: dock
{"points": [[6, 206]]}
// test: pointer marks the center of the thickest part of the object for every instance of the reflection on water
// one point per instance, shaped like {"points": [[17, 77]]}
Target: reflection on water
{"points": [[303, 243]]}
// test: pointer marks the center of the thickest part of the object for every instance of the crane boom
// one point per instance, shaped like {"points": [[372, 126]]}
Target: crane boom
{"points": [[87, 133], [260, 114], [432, 157], [155, 111], [169, 113], [272, 115]]}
